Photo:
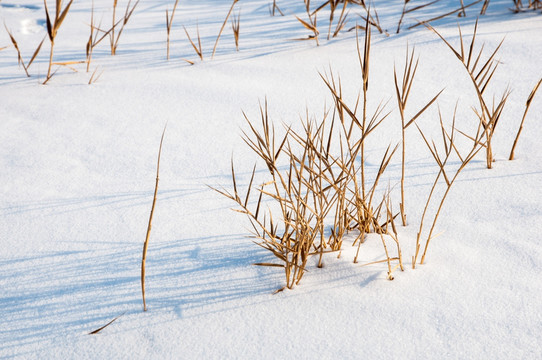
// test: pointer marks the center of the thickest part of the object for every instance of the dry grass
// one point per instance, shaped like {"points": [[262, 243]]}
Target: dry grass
{"points": [[449, 174], [146, 244], [52, 29], [222, 28], [114, 37], [402, 91], [527, 106], [197, 48], [480, 72], [169, 22], [95, 76], [20, 59], [460, 11], [533, 5], [320, 193], [275, 7], [235, 26]]}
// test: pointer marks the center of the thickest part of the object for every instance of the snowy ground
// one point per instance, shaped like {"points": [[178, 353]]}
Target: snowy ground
{"points": [[77, 177]]}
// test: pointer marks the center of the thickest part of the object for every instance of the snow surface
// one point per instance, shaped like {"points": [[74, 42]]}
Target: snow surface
{"points": [[77, 177]]}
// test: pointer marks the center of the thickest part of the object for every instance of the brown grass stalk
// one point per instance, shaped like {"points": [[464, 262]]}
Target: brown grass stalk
{"points": [[236, 28], [459, 10], [449, 177], [52, 29], [402, 91], [169, 22], [527, 106], [115, 37], [222, 28], [19, 56], [274, 7], [146, 244], [480, 74], [197, 48]]}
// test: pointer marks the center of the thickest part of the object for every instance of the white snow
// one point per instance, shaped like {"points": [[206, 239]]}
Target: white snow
{"points": [[78, 165]]}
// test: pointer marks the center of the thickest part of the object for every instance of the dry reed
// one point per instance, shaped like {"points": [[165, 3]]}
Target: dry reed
{"points": [[402, 92], [146, 244], [236, 28], [197, 49], [449, 176], [169, 22], [19, 56], [115, 37], [527, 106], [222, 28], [480, 73], [52, 29]]}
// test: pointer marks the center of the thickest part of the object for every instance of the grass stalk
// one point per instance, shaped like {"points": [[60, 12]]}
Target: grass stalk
{"points": [[222, 28], [146, 244], [169, 22], [527, 106], [52, 29]]}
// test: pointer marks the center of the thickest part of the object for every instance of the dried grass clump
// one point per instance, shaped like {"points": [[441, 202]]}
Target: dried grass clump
{"points": [[317, 183]]}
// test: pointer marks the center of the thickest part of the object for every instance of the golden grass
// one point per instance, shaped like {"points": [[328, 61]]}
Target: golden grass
{"points": [[169, 22], [222, 28], [146, 244], [197, 49], [527, 106], [480, 73], [115, 37], [235, 26], [20, 59], [274, 7], [94, 332], [52, 29], [402, 91]]}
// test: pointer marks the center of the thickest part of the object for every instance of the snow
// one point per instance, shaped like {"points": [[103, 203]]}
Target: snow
{"points": [[79, 163]]}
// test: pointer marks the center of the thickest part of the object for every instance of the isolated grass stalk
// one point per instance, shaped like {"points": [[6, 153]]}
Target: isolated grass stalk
{"points": [[146, 244], [222, 28], [235, 29], [527, 106], [197, 48], [169, 22], [95, 76], [52, 29], [275, 7], [402, 92], [19, 56], [115, 37]]}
